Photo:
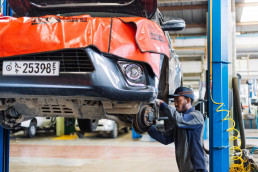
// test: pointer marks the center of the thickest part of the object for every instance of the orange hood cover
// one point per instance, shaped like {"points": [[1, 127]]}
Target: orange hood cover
{"points": [[133, 38]]}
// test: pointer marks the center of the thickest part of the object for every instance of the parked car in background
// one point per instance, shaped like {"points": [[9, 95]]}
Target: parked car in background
{"points": [[110, 128], [106, 127], [31, 127], [87, 60]]}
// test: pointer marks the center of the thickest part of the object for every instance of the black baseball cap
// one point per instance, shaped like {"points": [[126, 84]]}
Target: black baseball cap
{"points": [[184, 91]]}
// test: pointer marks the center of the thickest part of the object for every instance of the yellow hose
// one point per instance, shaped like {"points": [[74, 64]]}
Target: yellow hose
{"points": [[234, 167]]}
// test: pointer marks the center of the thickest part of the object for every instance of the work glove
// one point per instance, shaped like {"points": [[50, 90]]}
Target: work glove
{"points": [[158, 102]]}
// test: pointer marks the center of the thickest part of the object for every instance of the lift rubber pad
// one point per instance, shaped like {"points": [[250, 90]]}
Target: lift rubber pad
{"points": [[133, 38]]}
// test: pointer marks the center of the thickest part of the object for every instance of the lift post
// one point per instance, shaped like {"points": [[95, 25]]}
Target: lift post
{"points": [[4, 133], [4, 150], [218, 58], [5, 8]]}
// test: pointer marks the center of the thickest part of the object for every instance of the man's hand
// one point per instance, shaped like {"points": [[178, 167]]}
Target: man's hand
{"points": [[158, 102]]}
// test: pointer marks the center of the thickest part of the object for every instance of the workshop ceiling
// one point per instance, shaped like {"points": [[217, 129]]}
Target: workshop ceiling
{"points": [[194, 12], [191, 43]]}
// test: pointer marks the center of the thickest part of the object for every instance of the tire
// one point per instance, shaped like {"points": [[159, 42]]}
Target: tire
{"points": [[114, 132], [31, 131], [126, 130], [87, 125]]}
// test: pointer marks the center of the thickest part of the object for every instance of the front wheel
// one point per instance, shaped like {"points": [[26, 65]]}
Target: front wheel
{"points": [[87, 125], [143, 120], [31, 130], [126, 130]]}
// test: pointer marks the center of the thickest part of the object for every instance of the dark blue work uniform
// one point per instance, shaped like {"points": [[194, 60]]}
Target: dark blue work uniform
{"points": [[187, 133]]}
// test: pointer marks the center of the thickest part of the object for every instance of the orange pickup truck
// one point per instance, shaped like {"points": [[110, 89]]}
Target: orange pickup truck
{"points": [[86, 59]]}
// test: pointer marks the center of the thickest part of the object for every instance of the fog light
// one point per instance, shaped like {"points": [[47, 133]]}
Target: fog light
{"points": [[133, 72]]}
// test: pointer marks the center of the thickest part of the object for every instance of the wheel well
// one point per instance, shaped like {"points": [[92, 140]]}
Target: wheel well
{"points": [[34, 121], [163, 84]]}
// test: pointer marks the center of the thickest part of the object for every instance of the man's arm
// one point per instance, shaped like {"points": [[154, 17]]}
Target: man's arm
{"points": [[188, 121], [162, 137]]}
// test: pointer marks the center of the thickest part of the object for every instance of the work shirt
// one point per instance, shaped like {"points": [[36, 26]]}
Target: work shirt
{"points": [[187, 134]]}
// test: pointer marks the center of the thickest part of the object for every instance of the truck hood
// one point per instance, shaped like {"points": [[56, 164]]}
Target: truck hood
{"points": [[142, 8], [133, 38]]}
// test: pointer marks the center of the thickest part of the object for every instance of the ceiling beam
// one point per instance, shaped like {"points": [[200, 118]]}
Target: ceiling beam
{"points": [[175, 1], [195, 7], [192, 78], [203, 25], [192, 74], [190, 48], [194, 25], [248, 77], [246, 23], [246, 4], [183, 7]]}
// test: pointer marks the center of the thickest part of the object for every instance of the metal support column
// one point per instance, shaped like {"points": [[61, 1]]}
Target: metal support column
{"points": [[4, 133], [4, 150], [6, 10], [218, 65]]}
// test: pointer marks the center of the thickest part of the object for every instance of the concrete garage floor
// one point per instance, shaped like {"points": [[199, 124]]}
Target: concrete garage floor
{"points": [[90, 154], [95, 154]]}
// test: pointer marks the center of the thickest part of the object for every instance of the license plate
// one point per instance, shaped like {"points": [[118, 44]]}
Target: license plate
{"points": [[31, 68]]}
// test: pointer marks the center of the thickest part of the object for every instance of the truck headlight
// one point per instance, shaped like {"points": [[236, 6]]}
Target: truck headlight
{"points": [[133, 73]]}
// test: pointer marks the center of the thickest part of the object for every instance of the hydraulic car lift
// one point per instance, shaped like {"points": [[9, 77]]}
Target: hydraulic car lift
{"points": [[218, 68], [4, 133]]}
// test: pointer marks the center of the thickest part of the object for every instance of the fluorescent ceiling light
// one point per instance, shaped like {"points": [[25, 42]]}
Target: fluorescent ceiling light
{"points": [[249, 13], [250, 1]]}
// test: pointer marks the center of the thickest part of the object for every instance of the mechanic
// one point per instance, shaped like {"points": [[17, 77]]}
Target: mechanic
{"points": [[186, 131]]}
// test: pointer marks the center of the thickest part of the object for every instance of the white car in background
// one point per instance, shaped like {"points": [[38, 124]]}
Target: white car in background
{"points": [[105, 127], [31, 127], [110, 128]]}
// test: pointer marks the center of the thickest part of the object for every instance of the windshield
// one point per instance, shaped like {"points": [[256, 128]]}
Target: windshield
{"points": [[96, 14], [79, 3], [33, 8]]}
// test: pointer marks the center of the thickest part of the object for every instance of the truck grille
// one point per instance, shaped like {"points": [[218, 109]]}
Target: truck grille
{"points": [[71, 60]]}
